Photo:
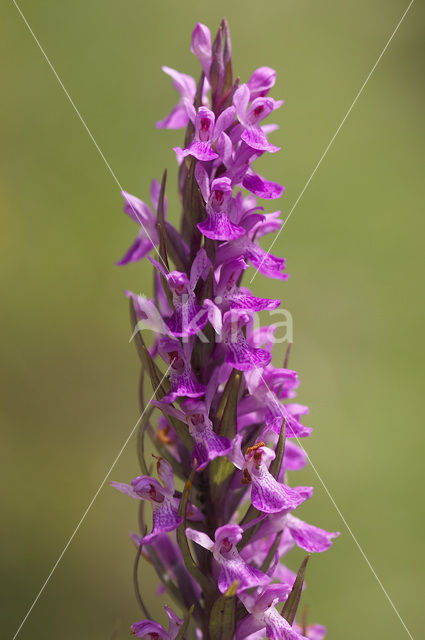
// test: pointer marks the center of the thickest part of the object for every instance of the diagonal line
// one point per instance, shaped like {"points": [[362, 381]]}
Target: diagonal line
{"points": [[102, 155], [274, 399], [45, 583], [333, 137], [355, 539]]}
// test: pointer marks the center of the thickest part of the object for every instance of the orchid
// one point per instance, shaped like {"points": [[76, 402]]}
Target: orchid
{"points": [[223, 420], [149, 630], [232, 567]]}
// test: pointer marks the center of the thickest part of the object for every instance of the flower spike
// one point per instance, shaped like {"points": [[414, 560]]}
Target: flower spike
{"points": [[224, 421]]}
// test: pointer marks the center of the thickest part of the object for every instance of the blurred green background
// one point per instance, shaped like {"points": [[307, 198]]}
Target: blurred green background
{"points": [[354, 250]]}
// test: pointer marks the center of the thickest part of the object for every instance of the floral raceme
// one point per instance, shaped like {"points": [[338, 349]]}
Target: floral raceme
{"points": [[222, 419]]}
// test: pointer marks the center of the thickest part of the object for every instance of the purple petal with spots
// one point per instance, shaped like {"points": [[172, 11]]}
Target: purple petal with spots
{"points": [[199, 150], [243, 299], [261, 187], [243, 357], [308, 537], [270, 496], [235, 569], [259, 110], [217, 226], [267, 494], [256, 139], [148, 630], [207, 446], [184, 384], [187, 319], [164, 518], [265, 262], [277, 628]]}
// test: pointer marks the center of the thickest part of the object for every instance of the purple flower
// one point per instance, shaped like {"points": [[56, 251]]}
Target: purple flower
{"points": [[264, 615], [251, 116], [305, 536], [263, 387], [219, 391], [186, 86], [218, 198], [259, 186], [248, 247], [140, 212], [201, 47], [207, 131], [164, 505], [225, 553], [207, 445], [187, 318], [261, 81], [229, 295], [148, 315], [183, 380], [239, 353], [267, 494], [149, 630]]}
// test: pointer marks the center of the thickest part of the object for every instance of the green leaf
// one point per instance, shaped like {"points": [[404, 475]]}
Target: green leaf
{"points": [[199, 91], [160, 216], [206, 585], [170, 242], [221, 469], [161, 572], [164, 576], [160, 384], [227, 57], [136, 583], [217, 67], [162, 245], [290, 607], [176, 248], [193, 208], [141, 441], [225, 417], [251, 514], [287, 354], [185, 624], [223, 615], [163, 259], [269, 557], [280, 450], [228, 421]]}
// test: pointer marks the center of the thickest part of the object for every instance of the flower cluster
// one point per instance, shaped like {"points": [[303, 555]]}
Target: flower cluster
{"points": [[227, 419]]}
